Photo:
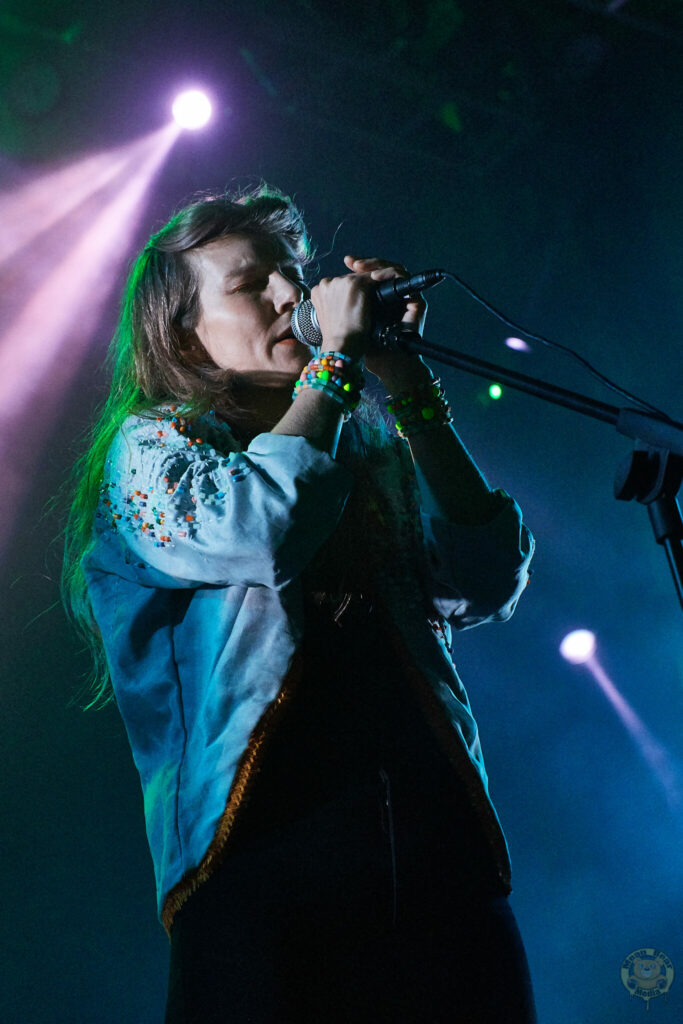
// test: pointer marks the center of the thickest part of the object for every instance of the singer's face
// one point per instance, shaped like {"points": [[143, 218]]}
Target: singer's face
{"points": [[248, 289]]}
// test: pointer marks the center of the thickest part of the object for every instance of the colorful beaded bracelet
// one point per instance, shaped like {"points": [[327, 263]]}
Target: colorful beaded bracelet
{"points": [[337, 375], [423, 408]]}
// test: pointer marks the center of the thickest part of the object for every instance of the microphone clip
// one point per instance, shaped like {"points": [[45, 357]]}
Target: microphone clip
{"points": [[397, 338]]}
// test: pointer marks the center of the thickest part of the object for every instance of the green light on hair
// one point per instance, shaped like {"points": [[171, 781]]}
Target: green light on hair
{"points": [[495, 391]]}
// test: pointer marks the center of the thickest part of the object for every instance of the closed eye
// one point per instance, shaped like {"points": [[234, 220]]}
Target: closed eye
{"points": [[250, 286], [259, 284]]}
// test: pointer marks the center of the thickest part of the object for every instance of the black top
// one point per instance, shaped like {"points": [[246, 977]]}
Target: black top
{"points": [[352, 723]]}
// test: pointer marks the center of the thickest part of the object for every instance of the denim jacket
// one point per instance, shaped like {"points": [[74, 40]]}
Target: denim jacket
{"points": [[195, 577]]}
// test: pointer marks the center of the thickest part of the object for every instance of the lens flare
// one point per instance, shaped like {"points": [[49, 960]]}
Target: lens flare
{"points": [[191, 109]]}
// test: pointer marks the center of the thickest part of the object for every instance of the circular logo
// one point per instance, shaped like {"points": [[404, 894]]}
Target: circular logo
{"points": [[647, 973]]}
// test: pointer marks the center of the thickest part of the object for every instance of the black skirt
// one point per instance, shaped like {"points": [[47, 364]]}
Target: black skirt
{"points": [[356, 885]]}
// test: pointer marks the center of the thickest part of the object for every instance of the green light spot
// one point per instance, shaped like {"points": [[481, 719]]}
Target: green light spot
{"points": [[71, 34], [448, 114], [495, 391]]}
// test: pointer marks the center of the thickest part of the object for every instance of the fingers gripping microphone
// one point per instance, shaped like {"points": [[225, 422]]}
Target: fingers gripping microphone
{"points": [[390, 298]]}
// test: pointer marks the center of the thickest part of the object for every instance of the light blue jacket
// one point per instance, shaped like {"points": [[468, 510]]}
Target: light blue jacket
{"points": [[195, 580]]}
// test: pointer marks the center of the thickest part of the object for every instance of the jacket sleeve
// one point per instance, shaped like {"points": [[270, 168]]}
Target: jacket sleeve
{"points": [[182, 516], [478, 573]]}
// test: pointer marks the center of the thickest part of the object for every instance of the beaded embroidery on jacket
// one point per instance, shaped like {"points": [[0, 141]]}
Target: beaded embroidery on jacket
{"points": [[171, 513], [377, 545]]}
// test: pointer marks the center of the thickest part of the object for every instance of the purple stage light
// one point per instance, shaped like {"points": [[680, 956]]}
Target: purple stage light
{"points": [[518, 344], [191, 109], [578, 646]]}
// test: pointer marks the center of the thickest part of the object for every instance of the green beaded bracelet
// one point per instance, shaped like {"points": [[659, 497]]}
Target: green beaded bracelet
{"points": [[423, 408]]}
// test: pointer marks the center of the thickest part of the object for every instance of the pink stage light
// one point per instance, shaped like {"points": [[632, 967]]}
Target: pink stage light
{"points": [[30, 210], [579, 648], [43, 346]]}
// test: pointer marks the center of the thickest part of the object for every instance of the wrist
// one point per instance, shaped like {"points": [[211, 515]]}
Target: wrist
{"points": [[408, 378], [419, 408], [335, 373], [352, 345]]}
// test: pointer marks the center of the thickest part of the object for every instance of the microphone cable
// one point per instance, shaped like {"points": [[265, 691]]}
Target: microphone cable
{"points": [[553, 344]]}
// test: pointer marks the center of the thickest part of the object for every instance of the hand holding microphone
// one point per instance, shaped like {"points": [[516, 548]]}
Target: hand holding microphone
{"points": [[345, 310]]}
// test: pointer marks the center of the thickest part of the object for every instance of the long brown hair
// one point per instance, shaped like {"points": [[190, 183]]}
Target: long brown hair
{"points": [[150, 362]]}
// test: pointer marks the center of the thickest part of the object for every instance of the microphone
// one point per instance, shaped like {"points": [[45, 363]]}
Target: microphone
{"points": [[389, 301]]}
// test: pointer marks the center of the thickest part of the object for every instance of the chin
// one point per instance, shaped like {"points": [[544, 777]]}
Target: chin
{"points": [[294, 353]]}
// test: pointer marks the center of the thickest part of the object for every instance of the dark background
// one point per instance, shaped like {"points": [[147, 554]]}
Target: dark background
{"points": [[534, 149]]}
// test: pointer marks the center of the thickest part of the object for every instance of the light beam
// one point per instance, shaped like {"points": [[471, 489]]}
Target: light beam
{"points": [[30, 210], [43, 346], [580, 648]]}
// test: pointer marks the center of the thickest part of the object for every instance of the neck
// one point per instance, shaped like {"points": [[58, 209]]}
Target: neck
{"points": [[255, 408]]}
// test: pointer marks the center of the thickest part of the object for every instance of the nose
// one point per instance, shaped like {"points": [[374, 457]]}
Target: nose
{"points": [[286, 293]]}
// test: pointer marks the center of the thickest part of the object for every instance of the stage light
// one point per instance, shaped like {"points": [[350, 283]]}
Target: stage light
{"points": [[53, 320], [495, 391], [518, 344], [578, 646], [33, 208], [191, 109]]}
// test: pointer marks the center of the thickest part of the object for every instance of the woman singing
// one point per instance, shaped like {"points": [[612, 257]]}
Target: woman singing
{"points": [[269, 575]]}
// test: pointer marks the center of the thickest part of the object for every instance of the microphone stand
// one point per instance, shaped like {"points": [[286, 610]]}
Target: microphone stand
{"points": [[652, 475]]}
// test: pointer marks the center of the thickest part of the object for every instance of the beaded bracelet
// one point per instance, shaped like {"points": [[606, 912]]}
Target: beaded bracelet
{"points": [[423, 408], [338, 375]]}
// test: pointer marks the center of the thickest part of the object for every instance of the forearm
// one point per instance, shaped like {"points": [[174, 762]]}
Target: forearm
{"points": [[452, 487], [315, 416]]}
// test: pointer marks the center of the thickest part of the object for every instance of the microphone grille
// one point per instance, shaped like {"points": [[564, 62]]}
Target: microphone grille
{"points": [[305, 324]]}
